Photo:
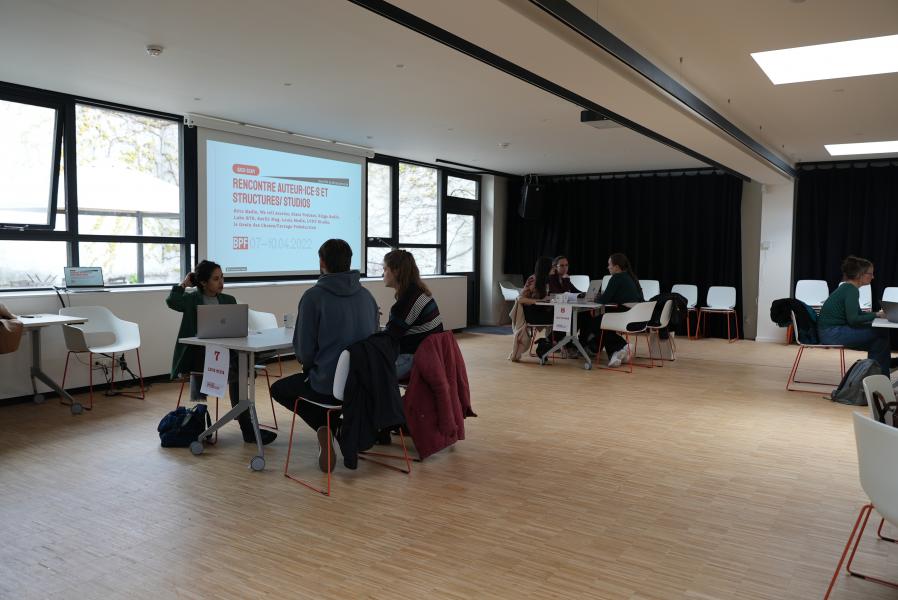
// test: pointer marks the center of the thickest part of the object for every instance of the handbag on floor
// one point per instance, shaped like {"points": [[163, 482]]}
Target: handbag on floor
{"points": [[183, 425]]}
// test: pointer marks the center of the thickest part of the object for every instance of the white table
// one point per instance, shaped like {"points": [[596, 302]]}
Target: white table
{"points": [[571, 336], [34, 324], [245, 348], [878, 322]]}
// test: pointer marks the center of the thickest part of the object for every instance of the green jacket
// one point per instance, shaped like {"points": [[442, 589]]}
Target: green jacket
{"points": [[186, 303], [843, 307]]}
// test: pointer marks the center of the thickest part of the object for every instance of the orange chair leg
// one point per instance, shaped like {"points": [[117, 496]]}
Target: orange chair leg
{"points": [[323, 491], [405, 457]]}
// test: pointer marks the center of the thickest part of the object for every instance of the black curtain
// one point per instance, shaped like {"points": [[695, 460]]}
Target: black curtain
{"points": [[676, 228], [847, 209]]}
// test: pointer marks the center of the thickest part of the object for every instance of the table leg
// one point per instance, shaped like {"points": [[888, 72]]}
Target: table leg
{"points": [[37, 373]]}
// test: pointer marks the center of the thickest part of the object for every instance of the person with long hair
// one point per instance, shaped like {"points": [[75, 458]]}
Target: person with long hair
{"points": [[415, 315], [208, 280], [559, 280], [842, 322], [536, 289], [622, 288]]}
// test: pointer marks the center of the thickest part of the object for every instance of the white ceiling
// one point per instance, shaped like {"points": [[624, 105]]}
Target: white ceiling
{"points": [[341, 61]]}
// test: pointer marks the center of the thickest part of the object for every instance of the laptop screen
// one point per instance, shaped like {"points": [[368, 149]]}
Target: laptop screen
{"points": [[83, 277]]}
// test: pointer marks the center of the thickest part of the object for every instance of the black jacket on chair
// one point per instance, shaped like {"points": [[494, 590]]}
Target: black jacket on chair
{"points": [[371, 400], [781, 313]]}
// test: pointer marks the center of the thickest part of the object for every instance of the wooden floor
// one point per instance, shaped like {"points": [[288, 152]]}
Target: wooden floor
{"points": [[701, 480]]}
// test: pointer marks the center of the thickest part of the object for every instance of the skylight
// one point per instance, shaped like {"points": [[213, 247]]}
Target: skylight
{"points": [[862, 148], [853, 58]]}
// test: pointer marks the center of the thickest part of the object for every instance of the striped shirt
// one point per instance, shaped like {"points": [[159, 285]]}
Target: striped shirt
{"points": [[414, 316]]}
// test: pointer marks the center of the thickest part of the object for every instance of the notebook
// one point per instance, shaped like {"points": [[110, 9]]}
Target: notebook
{"points": [[222, 320], [84, 279]]}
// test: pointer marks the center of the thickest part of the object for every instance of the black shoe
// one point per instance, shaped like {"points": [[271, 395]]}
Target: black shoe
{"points": [[383, 438], [246, 428], [893, 363]]}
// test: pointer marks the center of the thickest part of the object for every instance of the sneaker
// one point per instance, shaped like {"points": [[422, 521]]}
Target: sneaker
{"points": [[618, 357], [325, 443]]}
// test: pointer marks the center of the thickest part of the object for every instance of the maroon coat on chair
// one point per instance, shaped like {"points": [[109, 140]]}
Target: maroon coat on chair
{"points": [[438, 397]]}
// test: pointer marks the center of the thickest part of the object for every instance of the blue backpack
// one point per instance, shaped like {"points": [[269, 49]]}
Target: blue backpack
{"points": [[183, 425]]}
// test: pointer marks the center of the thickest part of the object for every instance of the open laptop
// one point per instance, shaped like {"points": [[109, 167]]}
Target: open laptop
{"points": [[222, 320], [84, 279], [594, 291], [891, 310]]}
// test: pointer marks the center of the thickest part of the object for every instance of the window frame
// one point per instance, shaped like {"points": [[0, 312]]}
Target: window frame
{"points": [[66, 140]]}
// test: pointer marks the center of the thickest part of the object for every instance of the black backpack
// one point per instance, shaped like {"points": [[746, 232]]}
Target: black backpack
{"points": [[851, 388], [183, 425]]}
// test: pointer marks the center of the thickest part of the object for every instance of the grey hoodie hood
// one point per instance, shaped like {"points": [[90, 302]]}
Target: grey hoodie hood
{"points": [[340, 284]]}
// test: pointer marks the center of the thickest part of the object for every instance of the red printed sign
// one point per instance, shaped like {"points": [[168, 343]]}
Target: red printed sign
{"points": [[245, 169], [240, 243]]}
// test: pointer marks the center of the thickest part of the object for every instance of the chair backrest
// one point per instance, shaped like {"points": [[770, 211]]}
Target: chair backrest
{"points": [[640, 312], [721, 296], [99, 318], [812, 292], [262, 320], [877, 446], [890, 294], [605, 281], [688, 291], [866, 297], [650, 288], [877, 383], [581, 282], [341, 374], [509, 291], [664, 319]]}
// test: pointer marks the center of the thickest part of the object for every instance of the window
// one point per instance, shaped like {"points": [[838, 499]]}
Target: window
{"points": [[418, 211], [380, 201], [457, 187], [375, 261], [459, 243], [35, 263], [28, 139], [426, 259]]}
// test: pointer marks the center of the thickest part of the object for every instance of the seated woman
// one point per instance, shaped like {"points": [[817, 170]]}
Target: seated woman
{"points": [[415, 315], [842, 321], [623, 288], [559, 280], [536, 289]]}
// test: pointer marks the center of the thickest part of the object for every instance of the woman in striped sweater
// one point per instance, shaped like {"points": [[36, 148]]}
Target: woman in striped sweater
{"points": [[415, 315]]}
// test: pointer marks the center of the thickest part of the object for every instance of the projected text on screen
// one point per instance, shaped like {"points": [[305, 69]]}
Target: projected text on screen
{"points": [[269, 211]]}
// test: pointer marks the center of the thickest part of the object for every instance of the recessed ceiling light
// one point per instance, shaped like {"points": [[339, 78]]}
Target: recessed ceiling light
{"points": [[287, 84], [854, 58], [400, 66], [504, 144], [369, 137], [154, 49], [862, 148], [451, 129], [197, 98]]}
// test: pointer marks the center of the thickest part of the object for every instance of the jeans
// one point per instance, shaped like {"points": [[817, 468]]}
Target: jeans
{"points": [[286, 390], [875, 340]]}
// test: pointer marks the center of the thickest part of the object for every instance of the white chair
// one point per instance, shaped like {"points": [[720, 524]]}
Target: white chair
{"points": [[802, 346], [721, 300], [103, 333], [259, 321], [581, 282], [877, 446], [878, 384], [812, 292], [866, 298], [650, 288], [605, 281], [655, 332], [510, 293], [690, 292], [618, 322], [341, 374], [890, 294]]}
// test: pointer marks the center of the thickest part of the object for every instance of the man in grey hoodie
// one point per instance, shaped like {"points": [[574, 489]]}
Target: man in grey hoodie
{"points": [[334, 314]]}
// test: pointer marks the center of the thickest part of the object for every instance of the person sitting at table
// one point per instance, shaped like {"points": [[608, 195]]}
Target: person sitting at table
{"points": [[333, 314], [536, 289], [415, 315], [842, 322], [559, 280], [623, 288], [189, 361]]}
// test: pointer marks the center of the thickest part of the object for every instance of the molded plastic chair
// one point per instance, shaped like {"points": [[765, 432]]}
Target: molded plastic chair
{"points": [[103, 333], [721, 300], [341, 374], [650, 288], [510, 291], [802, 346], [619, 321], [890, 294], [654, 332], [866, 297], [690, 292], [605, 281], [877, 446], [581, 282], [878, 384], [812, 292]]}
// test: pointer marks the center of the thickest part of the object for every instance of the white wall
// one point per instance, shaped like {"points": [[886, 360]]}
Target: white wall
{"points": [[159, 324], [752, 197], [493, 309], [775, 257]]}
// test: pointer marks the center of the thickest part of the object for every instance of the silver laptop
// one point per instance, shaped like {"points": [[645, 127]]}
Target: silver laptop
{"points": [[594, 291], [84, 279], [222, 320], [891, 310]]}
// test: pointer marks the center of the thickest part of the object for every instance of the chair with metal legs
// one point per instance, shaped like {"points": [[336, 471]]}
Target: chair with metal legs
{"points": [[802, 346], [622, 323], [721, 300]]}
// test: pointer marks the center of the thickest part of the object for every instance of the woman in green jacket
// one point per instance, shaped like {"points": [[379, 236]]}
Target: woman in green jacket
{"points": [[208, 280]]}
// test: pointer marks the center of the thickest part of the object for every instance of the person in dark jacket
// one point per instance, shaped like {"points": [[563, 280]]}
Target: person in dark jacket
{"points": [[415, 314], [334, 314], [622, 288], [843, 322], [559, 280], [189, 361]]}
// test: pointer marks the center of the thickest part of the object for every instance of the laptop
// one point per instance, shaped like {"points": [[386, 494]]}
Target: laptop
{"points": [[891, 310], [594, 291], [84, 279], [222, 320]]}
